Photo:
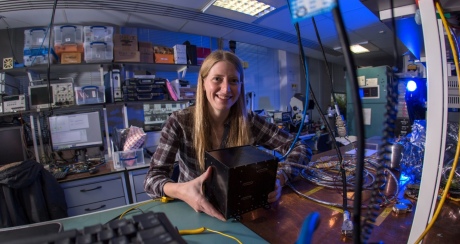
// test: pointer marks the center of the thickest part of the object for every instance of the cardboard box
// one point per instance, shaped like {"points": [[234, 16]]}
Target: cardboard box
{"points": [[164, 58], [121, 55], [163, 55], [68, 48], [147, 57], [180, 50], [180, 54], [180, 60], [125, 42], [145, 47], [71, 58]]}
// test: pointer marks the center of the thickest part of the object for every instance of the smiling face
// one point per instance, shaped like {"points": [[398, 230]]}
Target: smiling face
{"points": [[222, 86]]}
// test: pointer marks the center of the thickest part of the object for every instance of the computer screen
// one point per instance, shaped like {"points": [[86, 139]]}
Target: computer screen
{"points": [[75, 130], [12, 147]]}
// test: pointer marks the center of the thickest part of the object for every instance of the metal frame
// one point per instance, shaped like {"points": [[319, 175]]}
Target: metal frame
{"points": [[436, 118]]}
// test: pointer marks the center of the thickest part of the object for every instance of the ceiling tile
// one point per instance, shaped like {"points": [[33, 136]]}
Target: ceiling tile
{"points": [[194, 4], [205, 29], [27, 18], [359, 18], [160, 22], [97, 16]]}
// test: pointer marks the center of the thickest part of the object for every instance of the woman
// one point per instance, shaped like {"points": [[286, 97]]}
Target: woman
{"points": [[218, 120]]}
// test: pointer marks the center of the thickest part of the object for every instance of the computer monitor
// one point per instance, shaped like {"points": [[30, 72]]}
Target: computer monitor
{"points": [[76, 130], [39, 96], [12, 147]]}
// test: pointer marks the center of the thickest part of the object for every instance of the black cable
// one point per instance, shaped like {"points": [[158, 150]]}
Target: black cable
{"points": [[388, 133], [358, 108], [326, 63], [48, 73], [339, 154]]}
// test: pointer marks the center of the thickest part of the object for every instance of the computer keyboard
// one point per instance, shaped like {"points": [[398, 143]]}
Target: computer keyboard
{"points": [[148, 227], [60, 175]]}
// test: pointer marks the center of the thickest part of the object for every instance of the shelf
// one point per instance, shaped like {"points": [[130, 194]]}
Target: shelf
{"points": [[94, 67]]}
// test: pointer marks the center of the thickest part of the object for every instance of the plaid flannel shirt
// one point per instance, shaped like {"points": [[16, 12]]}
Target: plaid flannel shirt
{"points": [[176, 137]]}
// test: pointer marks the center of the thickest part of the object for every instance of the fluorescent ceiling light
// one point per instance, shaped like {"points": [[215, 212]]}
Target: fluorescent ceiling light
{"points": [[250, 7], [358, 49], [211, 2]]}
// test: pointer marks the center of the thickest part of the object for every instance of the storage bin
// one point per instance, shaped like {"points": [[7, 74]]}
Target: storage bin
{"points": [[89, 95], [68, 34], [96, 52], [36, 56], [36, 38], [130, 158], [98, 33], [36, 51]]}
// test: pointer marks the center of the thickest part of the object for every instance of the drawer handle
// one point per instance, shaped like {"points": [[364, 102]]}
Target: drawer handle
{"points": [[95, 188], [89, 209]]}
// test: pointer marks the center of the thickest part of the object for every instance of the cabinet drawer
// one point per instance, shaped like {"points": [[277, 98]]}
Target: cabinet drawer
{"points": [[98, 206], [138, 181], [94, 192]]}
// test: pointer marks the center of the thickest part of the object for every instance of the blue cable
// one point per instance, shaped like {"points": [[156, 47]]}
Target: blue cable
{"points": [[310, 224]]}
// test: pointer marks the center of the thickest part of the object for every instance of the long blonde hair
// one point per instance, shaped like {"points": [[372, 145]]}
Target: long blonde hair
{"points": [[239, 133]]}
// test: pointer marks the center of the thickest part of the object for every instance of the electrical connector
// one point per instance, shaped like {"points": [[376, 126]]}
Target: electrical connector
{"points": [[347, 225], [166, 199]]}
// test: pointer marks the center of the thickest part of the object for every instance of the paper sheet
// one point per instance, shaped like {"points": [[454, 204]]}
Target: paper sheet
{"points": [[367, 116]]}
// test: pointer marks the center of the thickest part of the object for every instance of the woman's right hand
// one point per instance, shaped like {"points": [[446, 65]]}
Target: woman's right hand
{"points": [[192, 193]]}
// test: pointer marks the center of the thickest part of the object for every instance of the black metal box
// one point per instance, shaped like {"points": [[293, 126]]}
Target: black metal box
{"points": [[242, 177]]}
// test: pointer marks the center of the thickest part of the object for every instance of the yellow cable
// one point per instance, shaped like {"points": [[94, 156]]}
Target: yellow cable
{"points": [[454, 199], [162, 199], [229, 236], [202, 229], [182, 232], [457, 152], [192, 232]]}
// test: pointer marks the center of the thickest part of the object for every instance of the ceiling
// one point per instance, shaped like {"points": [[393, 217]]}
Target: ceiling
{"points": [[274, 30]]}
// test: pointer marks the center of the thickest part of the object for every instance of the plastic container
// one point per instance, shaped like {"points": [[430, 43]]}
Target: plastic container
{"points": [[98, 33], [36, 56], [36, 51], [37, 60], [89, 95], [68, 34], [36, 38], [97, 52], [127, 159]]}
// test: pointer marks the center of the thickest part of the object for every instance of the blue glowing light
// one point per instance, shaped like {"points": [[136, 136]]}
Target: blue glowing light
{"points": [[411, 86]]}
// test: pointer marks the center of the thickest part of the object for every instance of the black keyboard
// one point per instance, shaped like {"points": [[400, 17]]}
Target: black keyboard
{"points": [[148, 227], [60, 175]]}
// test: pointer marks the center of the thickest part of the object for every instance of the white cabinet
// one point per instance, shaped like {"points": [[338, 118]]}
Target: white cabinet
{"points": [[95, 194], [136, 182]]}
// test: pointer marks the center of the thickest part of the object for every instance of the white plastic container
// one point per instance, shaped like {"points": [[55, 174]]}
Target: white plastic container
{"points": [[36, 38], [89, 94], [68, 34], [128, 159], [97, 52], [98, 33]]}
